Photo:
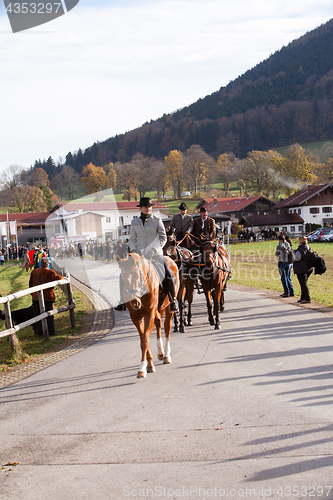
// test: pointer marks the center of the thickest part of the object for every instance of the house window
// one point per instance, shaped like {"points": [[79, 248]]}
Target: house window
{"points": [[314, 210], [121, 221], [108, 219], [284, 229], [300, 228], [299, 211], [327, 210], [292, 229], [57, 229], [295, 211]]}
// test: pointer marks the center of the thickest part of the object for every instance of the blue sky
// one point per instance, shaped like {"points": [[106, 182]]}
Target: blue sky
{"points": [[107, 67]]}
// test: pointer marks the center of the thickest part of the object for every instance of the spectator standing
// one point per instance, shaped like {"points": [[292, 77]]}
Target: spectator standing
{"points": [[301, 268], [282, 252], [40, 276]]}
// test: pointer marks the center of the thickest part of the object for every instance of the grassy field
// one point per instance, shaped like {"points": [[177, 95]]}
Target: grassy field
{"points": [[255, 265], [13, 279]]}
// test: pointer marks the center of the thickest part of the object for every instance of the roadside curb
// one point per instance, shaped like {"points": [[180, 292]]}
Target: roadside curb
{"points": [[102, 324]]}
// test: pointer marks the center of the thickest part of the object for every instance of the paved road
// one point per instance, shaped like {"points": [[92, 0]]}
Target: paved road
{"points": [[245, 412]]}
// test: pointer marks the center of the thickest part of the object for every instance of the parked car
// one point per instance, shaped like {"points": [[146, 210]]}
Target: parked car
{"points": [[186, 193], [313, 236], [327, 236], [319, 234]]}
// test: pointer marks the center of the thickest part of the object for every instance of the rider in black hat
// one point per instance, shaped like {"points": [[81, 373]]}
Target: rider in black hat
{"points": [[182, 224], [147, 238]]}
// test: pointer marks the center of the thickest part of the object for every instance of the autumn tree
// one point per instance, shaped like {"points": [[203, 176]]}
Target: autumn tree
{"points": [[127, 176], [297, 168], [28, 199], [94, 178], [174, 170], [197, 164], [38, 178], [225, 170], [259, 171], [111, 176]]}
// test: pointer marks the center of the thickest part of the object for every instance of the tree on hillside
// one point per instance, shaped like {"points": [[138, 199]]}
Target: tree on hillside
{"points": [[226, 170], [298, 167], [38, 178], [197, 164], [28, 199], [259, 171], [174, 168], [12, 177], [144, 168], [94, 178], [111, 176], [127, 177]]}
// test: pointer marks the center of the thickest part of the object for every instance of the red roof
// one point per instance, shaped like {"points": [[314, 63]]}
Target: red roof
{"points": [[232, 204], [33, 218], [108, 205], [302, 196]]}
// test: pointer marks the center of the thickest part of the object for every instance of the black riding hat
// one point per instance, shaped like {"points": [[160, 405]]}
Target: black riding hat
{"points": [[145, 202], [203, 209], [183, 206]]}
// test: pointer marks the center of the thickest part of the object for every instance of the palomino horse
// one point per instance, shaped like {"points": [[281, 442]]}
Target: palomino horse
{"points": [[182, 257], [142, 296], [214, 272]]}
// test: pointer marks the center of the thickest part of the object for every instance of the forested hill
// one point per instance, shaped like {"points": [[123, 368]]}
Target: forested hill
{"points": [[288, 98]]}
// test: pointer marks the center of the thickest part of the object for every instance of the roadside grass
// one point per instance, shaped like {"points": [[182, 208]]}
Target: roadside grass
{"points": [[255, 265], [13, 279]]}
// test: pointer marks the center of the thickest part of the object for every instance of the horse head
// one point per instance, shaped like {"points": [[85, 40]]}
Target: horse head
{"points": [[171, 244], [134, 279]]}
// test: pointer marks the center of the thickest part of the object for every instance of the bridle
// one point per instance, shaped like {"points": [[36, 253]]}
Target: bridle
{"points": [[143, 281]]}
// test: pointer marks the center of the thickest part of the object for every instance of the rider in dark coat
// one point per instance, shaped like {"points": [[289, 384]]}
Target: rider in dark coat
{"points": [[182, 224]]}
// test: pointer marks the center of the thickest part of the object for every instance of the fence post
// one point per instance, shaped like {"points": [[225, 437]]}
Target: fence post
{"points": [[42, 310], [14, 342], [70, 302]]}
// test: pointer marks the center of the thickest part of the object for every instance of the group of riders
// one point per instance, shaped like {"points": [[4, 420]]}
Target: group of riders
{"points": [[148, 237]]}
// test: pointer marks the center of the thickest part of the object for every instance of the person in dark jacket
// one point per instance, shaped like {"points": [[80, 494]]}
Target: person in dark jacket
{"points": [[204, 225], [182, 224], [40, 276], [302, 269]]}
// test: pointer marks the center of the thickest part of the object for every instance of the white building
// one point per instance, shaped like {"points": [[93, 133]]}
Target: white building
{"points": [[314, 204]]}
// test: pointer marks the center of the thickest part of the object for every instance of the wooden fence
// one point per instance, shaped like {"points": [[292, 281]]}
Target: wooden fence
{"points": [[11, 329]]}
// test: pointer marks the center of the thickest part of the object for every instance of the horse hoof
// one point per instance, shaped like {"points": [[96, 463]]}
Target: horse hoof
{"points": [[167, 360], [181, 329], [185, 322], [217, 327], [211, 322], [160, 356], [176, 329], [142, 375], [151, 369], [190, 323]]}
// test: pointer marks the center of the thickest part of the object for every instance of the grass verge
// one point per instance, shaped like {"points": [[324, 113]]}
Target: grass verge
{"points": [[13, 279]]}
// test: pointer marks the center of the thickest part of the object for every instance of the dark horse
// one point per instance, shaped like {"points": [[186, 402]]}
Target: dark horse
{"points": [[214, 272], [142, 294], [182, 256]]}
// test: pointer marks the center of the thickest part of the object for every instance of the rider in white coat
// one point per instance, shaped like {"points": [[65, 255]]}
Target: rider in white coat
{"points": [[147, 238]]}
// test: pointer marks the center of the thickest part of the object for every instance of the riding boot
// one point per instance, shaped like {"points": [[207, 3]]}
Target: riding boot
{"points": [[170, 289], [121, 305]]}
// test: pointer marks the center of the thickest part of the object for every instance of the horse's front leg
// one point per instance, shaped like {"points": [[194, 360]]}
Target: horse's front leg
{"points": [[146, 364], [190, 293], [181, 302]]}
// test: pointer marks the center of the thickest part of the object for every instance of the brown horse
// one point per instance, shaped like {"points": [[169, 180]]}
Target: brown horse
{"points": [[182, 257], [214, 272], [142, 293]]}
